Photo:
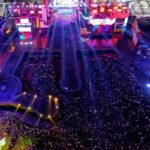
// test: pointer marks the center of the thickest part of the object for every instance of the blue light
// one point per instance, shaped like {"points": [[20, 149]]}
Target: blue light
{"points": [[21, 37], [148, 85]]}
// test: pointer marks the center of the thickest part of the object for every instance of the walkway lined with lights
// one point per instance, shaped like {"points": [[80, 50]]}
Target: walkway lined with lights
{"points": [[61, 35]]}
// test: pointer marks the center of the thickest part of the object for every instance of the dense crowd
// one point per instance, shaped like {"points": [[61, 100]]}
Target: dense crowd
{"points": [[43, 79], [40, 79], [113, 114]]}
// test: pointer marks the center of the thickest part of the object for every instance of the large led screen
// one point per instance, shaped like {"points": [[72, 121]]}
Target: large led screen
{"points": [[65, 3]]}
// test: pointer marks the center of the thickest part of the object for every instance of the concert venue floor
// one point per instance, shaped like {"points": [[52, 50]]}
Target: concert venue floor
{"points": [[71, 96]]}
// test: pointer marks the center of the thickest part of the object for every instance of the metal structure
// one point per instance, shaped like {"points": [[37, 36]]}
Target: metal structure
{"points": [[140, 8]]}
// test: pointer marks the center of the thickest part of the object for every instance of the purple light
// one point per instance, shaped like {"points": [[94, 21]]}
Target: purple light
{"points": [[35, 5]]}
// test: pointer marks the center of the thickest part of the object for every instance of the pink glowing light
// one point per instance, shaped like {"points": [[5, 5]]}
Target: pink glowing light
{"points": [[15, 10]]}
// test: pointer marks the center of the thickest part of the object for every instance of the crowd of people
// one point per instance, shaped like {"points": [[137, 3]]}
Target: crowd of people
{"points": [[43, 79], [112, 114], [40, 78]]}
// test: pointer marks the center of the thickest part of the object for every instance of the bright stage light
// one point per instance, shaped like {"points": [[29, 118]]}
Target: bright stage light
{"points": [[49, 117], [29, 108], [148, 85], [35, 5], [18, 106], [24, 93], [56, 99], [2, 142], [8, 31], [65, 11], [24, 29], [24, 21], [41, 115], [35, 96], [57, 107], [106, 21], [49, 97]]}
